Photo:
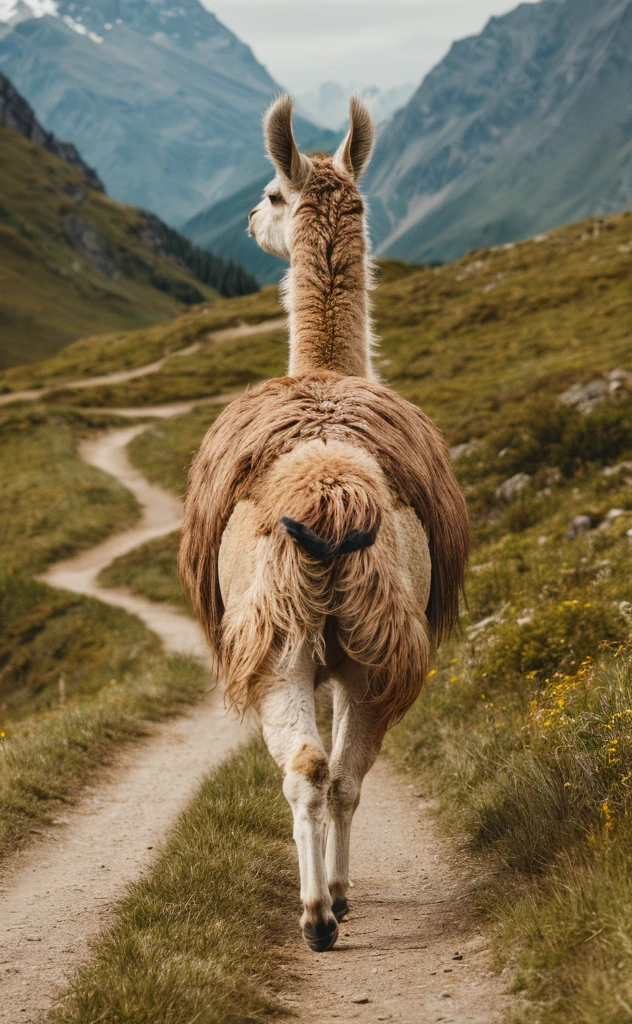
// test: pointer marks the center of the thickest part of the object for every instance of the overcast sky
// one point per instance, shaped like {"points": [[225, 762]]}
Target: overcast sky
{"points": [[365, 42]]}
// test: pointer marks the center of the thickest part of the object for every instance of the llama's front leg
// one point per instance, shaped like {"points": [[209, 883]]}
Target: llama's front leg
{"points": [[289, 728], [357, 737]]}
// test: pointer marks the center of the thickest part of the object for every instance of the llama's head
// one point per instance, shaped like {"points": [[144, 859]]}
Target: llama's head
{"points": [[272, 223]]}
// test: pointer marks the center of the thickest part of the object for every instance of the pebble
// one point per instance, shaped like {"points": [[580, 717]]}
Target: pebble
{"points": [[360, 998]]}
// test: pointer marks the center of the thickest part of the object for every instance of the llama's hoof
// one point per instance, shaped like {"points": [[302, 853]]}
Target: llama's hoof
{"points": [[340, 909], [322, 936]]}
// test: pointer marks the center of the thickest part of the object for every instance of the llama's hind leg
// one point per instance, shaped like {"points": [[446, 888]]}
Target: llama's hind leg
{"points": [[357, 738], [288, 719]]}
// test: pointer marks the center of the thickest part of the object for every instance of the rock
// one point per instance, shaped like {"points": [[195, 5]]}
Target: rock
{"points": [[360, 999], [525, 617], [475, 630], [513, 488], [552, 476], [626, 610], [585, 397], [86, 240], [460, 450], [620, 468], [613, 514], [580, 524]]}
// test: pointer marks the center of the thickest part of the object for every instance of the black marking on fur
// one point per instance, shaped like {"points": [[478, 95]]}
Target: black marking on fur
{"points": [[322, 936], [320, 549]]}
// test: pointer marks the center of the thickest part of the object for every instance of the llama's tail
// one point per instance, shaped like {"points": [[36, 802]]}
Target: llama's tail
{"points": [[322, 550], [341, 506]]}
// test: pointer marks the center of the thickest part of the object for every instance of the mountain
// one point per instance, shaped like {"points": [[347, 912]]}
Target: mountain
{"points": [[163, 99], [329, 104], [74, 262], [523, 127]]}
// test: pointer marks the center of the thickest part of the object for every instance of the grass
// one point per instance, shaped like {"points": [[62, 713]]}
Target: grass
{"points": [[149, 570], [199, 939], [470, 342], [163, 453], [46, 759], [523, 732], [48, 635]]}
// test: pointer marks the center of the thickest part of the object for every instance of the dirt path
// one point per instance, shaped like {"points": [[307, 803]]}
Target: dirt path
{"points": [[161, 514], [122, 376], [56, 895], [411, 914]]}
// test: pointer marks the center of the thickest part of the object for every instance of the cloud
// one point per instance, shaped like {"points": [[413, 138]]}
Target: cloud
{"points": [[361, 41]]}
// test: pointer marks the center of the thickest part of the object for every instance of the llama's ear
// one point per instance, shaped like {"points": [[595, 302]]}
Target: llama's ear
{"points": [[281, 145], [354, 153]]}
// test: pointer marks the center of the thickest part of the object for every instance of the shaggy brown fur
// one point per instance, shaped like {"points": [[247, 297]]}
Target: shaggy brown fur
{"points": [[380, 453], [330, 275]]}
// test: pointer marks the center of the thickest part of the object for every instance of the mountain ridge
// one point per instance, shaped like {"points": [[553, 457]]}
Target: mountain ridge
{"points": [[17, 114], [519, 129], [164, 101]]}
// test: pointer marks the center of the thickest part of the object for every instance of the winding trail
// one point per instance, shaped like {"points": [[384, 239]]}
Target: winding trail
{"points": [[161, 514], [56, 895], [122, 376], [411, 908]]}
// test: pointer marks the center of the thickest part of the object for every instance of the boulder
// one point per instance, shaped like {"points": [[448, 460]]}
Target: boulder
{"points": [[511, 489], [580, 524]]}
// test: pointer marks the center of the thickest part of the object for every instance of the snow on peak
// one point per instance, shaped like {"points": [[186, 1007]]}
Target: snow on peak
{"points": [[22, 10], [76, 26], [14, 11]]}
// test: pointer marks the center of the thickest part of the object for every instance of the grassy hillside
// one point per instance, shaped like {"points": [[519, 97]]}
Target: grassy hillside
{"points": [[523, 729], [471, 342], [74, 262]]}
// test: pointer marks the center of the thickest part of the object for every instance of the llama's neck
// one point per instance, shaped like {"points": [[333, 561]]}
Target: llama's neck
{"points": [[326, 295]]}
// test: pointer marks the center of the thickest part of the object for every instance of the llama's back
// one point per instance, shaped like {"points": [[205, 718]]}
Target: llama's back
{"points": [[338, 456]]}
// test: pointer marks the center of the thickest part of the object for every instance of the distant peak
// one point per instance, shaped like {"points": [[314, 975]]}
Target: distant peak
{"points": [[12, 11]]}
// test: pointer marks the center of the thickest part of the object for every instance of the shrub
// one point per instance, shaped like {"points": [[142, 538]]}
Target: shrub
{"points": [[555, 640]]}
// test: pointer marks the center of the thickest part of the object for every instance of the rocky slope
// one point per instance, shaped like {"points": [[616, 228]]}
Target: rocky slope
{"points": [[521, 128], [73, 261], [162, 99], [16, 113]]}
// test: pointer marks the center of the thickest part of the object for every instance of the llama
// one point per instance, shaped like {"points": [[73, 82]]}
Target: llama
{"points": [[325, 536]]}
